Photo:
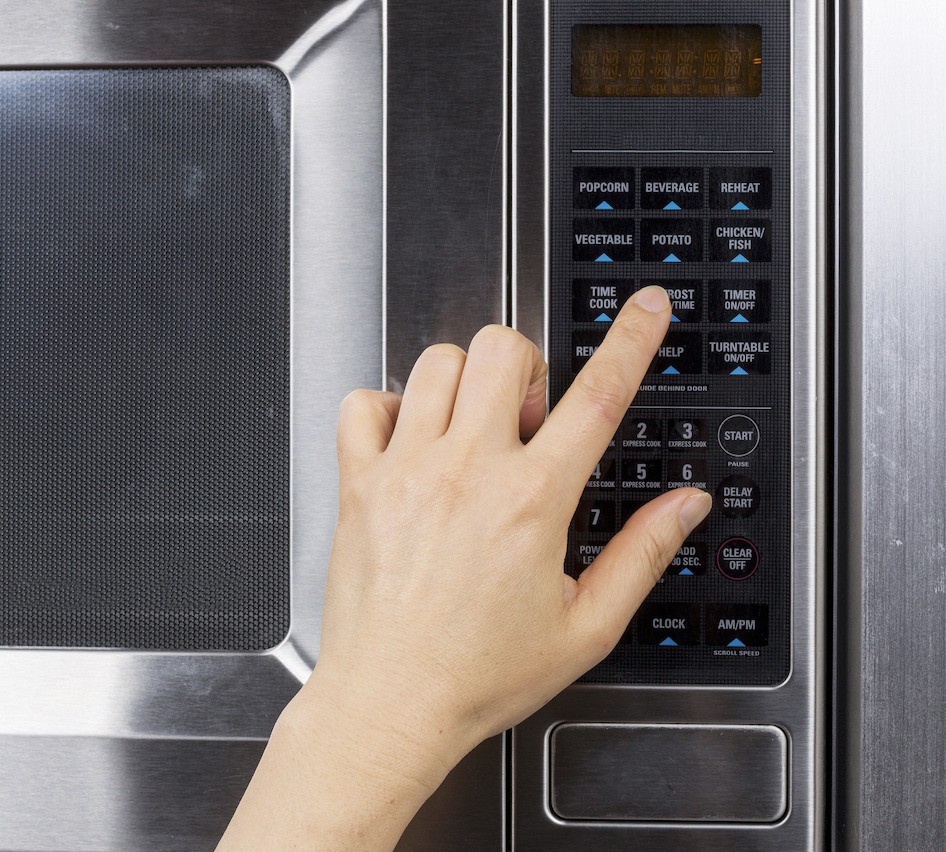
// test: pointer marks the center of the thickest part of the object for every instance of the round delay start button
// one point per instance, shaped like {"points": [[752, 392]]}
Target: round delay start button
{"points": [[738, 435], [737, 558]]}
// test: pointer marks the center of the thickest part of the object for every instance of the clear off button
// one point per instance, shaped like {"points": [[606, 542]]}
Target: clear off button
{"points": [[738, 435], [737, 559]]}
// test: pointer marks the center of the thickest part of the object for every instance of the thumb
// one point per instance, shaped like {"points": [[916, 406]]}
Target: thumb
{"points": [[610, 590]]}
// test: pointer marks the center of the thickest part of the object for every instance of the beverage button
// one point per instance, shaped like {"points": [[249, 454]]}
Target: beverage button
{"points": [[737, 559], [737, 496], [597, 300], [599, 188], [740, 240], [740, 302], [668, 624], [671, 240], [740, 189], [603, 240], [748, 354], [737, 625], [680, 353], [672, 189], [738, 435], [686, 298]]}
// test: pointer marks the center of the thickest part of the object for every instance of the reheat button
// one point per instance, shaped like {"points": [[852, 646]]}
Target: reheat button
{"points": [[740, 189]]}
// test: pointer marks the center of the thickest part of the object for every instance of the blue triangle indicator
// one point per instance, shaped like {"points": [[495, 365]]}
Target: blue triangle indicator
{"points": [[605, 206], [739, 206], [739, 318], [674, 318], [671, 371], [738, 372], [735, 644], [603, 318], [668, 641], [686, 572], [603, 259], [672, 206], [672, 258], [739, 259]]}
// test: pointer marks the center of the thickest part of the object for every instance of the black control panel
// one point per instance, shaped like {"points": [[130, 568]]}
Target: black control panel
{"points": [[692, 192]]}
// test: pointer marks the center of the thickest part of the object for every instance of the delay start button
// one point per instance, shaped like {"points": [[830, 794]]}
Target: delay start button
{"points": [[738, 435], [737, 559]]}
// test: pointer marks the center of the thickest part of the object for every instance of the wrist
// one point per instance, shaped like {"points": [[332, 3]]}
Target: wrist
{"points": [[388, 742]]}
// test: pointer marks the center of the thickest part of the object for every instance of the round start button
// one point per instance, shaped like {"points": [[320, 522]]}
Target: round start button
{"points": [[737, 558], [738, 435]]}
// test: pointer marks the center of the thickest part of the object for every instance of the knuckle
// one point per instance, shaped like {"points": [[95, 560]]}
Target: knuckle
{"points": [[445, 354], [500, 339]]}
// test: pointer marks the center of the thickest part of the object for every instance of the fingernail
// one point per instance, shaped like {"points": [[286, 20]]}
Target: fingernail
{"points": [[694, 510], [653, 299]]}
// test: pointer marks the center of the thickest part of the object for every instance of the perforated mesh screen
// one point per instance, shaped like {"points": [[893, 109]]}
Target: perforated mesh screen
{"points": [[144, 343]]}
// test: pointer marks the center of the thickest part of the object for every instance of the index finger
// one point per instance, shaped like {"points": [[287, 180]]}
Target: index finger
{"points": [[579, 429]]}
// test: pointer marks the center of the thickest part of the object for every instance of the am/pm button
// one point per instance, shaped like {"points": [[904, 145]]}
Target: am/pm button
{"points": [[737, 625]]}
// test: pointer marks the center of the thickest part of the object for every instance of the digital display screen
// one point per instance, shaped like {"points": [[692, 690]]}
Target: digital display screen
{"points": [[666, 61]]}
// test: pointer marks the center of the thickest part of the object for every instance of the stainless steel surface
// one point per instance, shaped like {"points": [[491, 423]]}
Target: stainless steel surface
{"points": [[111, 722], [892, 547], [676, 773], [797, 705], [446, 176], [445, 270]]}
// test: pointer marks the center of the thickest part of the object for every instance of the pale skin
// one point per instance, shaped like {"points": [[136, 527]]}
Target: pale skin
{"points": [[448, 616]]}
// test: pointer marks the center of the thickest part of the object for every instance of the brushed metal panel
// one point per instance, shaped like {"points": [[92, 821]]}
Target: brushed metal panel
{"points": [[895, 622], [796, 706], [445, 268], [176, 708], [446, 176], [88, 794], [678, 773]]}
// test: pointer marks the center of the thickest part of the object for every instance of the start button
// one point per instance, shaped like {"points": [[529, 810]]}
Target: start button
{"points": [[738, 435]]}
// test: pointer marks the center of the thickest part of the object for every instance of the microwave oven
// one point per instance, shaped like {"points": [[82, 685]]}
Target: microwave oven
{"points": [[220, 218]]}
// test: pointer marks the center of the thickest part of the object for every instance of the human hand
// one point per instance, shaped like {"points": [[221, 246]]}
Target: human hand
{"points": [[448, 616], [447, 612]]}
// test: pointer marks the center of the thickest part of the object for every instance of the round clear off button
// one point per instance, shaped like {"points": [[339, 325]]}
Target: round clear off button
{"points": [[738, 435]]}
